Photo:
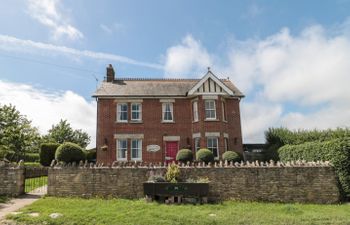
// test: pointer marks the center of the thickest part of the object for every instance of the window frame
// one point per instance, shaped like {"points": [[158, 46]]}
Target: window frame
{"points": [[171, 107], [211, 147], [210, 109], [119, 112], [195, 111], [118, 149], [139, 111], [139, 149]]}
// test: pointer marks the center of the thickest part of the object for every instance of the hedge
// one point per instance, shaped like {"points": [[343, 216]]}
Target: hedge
{"points": [[184, 155], [278, 137], [28, 157], [69, 152], [47, 153], [336, 151]]}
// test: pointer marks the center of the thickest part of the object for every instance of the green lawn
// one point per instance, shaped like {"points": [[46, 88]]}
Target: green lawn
{"points": [[33, 183], [119, 211]]}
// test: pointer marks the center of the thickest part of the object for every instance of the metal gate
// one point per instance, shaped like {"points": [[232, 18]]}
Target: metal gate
{"points": [[35, 180]]}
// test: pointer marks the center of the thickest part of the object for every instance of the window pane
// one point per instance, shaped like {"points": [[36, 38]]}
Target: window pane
{"points": [[168, 112], [196, 144], [195, 111], [210, 110], [212, 145], [122, 112], [122, 148], [136, 149]]}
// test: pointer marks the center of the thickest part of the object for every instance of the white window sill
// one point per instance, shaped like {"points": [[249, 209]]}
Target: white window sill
{"points": [[122, 160], [164, 121], [121, 121], [195, 121], [136, 121], [209, 119]]}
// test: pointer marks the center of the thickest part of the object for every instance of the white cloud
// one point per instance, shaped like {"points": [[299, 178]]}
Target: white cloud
{"points": [[185, 58], [300, 81], [47, 108], [47, 13], [13, 44]]}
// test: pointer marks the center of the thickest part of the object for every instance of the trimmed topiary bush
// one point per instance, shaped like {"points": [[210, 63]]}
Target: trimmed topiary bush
{"points": [[205, 155], [184, 155], [231, 156], [336, 151], [90, 155], [47, 153], [69, 152]]}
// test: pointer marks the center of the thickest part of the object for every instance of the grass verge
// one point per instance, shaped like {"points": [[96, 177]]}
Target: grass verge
{"points": [[120, 211]]}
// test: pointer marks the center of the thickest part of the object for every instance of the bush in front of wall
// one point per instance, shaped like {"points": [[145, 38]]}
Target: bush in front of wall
{"points": [[90, 155], [205, 155], [173, 173], [184, 155], [231, 156], [47, 153], [69, 152]]}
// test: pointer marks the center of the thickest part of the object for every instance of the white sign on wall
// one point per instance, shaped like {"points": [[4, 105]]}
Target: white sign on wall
{"points": [[153, 148]]}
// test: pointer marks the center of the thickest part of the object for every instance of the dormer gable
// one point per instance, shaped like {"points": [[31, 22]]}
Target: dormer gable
{"points": [[210, 84]]}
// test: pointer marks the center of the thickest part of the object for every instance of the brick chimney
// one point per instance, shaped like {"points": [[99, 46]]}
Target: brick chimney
{"points": [[110, 73]]}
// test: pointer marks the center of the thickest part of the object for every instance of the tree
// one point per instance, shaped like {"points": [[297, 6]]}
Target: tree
{"points": [[16, 133], [63, 132]]}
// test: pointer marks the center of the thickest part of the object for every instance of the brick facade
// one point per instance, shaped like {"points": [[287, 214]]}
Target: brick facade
{"points": [[152, 131]]}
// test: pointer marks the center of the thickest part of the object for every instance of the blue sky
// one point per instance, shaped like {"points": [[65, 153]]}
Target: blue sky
{"points": [[290, 58]]}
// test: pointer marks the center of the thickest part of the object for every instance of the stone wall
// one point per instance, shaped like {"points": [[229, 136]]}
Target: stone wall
{"points": [[11, 179], [314, 183]]}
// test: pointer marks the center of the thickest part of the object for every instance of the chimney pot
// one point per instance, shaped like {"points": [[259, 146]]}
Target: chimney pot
{"points": [[110, 73]]}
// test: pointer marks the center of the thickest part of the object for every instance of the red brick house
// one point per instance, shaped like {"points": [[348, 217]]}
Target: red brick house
{"points": [[149, 120]]}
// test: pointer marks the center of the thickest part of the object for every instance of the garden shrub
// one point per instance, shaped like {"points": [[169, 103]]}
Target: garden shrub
{"points": [[184, 155], [11, 156], [336, 151], [205, 155], [231, 156], [172, 173], [47, 153], [69, 152], [90, 155]]}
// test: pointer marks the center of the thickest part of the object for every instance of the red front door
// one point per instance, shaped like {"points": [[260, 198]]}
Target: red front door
{"points": [[171, 148]]}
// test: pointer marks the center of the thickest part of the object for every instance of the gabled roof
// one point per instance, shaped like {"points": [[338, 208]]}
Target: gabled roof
{"points": [[210, 76], [136, 87]]}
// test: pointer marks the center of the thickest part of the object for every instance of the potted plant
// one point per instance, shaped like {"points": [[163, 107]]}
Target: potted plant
{"points": [[171, 189]]}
